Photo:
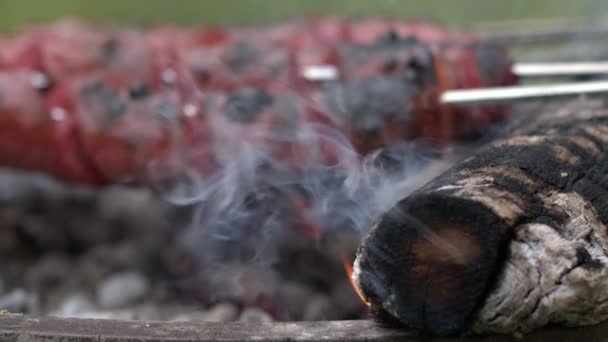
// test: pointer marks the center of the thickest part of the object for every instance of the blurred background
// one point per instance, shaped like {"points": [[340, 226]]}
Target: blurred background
{"points": [[15, 13]]}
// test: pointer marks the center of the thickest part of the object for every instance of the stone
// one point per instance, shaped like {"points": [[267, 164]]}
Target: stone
{"points": [[41, 233], [17, 301], [244, 281], [195, 316], [294, 296], [320, 308], [346, 301], [223, 312], [9, 239], [122, 289], [124, 314], [255, 315], [92, 268], [49, 272], [74, 305], [116, 256], [147, 312]]}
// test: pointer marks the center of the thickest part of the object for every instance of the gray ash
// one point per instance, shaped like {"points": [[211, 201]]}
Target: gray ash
{"points": [[65, 251]]}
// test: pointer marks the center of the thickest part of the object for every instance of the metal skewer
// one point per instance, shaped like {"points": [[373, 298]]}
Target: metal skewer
{"points": [[557, 33], [320, 73], [521, 69], [560, 69], [507, 94]]}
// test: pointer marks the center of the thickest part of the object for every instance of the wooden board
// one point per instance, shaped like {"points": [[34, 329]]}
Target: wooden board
{"points": [[19, 328]]}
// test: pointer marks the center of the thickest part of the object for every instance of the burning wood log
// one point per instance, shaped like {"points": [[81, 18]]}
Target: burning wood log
{"points": [[508, 240]]}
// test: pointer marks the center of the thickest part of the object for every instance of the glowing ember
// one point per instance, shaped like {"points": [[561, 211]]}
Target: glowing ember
{"points": [[349, 271]]}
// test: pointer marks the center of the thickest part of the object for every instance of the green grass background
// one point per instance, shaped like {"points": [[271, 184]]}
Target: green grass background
{"points": [[16, 13]]}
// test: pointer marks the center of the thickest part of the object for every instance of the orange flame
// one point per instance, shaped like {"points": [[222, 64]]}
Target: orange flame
{"points": [[347, 262]]}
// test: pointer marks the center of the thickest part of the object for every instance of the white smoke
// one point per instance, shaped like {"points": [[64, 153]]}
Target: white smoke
{"points": [[253, 198]]}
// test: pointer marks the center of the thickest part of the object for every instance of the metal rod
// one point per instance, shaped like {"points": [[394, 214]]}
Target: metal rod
{"points": [[559, 69], [320, 73], [557, 34], [505, 94]]}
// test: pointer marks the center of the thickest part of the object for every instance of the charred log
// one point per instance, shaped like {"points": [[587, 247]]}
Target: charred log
{"points": [[508, 240]]}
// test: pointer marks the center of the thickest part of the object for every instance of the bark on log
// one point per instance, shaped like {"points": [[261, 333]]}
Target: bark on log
{"points": [[508, 240]]}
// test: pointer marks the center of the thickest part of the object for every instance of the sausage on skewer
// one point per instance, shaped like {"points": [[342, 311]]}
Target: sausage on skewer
{"points": [[109, 102]]}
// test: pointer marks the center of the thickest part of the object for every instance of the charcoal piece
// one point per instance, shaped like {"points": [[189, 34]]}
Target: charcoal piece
{"points": [[18, 301], [365, 104], [391, 54], [255, 315], [222, 312], [245, 104], [138, 91], [241, 55], [122, 289]]}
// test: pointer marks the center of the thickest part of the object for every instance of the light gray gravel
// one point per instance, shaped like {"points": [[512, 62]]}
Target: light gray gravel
{"points": [[75, 305], [122, 289], [18, 301], [255, 315]]}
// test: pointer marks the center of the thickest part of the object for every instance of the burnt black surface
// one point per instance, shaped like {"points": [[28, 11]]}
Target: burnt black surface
{"points": [[241, 55], [421, 302], [138, 91], [245, 104], [366, 103]]}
